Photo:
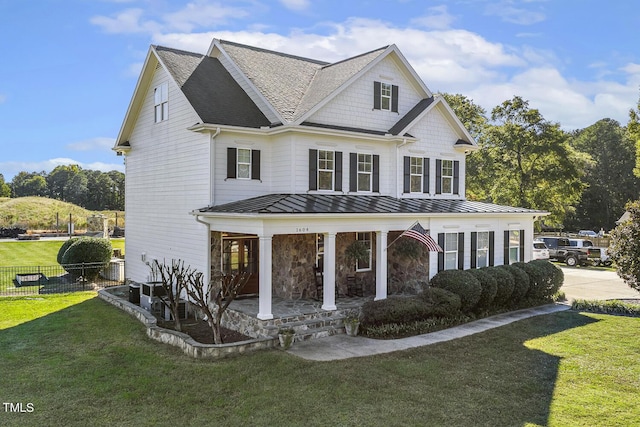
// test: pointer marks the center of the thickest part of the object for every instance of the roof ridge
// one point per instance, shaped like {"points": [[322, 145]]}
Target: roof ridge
{"points": [[171, 49], [275, 52], [324, 67]]}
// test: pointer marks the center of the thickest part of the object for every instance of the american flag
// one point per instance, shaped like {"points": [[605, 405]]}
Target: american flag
{"points": [[422, 236]]}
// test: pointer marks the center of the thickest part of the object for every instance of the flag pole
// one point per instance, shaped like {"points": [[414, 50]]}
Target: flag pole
{"points": [[389, 245]]}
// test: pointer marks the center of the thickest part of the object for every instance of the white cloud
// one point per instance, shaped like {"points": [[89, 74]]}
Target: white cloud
{"points": [[199, 14], [126, 22], [296, 4], [515, 15], [92, 144], [438, 18]]}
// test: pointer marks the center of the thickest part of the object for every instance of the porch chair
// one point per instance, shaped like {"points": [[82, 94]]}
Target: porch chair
{"points": [[319, 280]]}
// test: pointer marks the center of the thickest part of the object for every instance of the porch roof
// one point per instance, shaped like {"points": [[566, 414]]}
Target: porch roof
{"points": [[358, 204]]}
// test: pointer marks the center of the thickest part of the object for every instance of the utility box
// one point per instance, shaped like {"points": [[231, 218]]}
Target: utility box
{"points": [[134, 293]]}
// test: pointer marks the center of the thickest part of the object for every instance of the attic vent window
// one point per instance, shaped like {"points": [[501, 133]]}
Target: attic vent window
{"points": [[385, 96], [161, 102]]}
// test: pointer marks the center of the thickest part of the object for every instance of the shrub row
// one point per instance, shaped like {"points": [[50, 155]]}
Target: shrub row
{"points": [[607, 307], [458, 293]]}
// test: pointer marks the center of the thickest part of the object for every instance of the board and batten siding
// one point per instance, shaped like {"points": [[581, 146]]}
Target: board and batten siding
{"points": [[353, 107], [167, 176]]}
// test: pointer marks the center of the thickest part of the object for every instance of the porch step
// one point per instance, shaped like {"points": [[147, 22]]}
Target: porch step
{"points": [[313, 328]]}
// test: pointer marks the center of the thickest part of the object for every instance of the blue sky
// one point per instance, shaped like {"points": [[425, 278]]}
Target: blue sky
{"points": [[68, 68]]}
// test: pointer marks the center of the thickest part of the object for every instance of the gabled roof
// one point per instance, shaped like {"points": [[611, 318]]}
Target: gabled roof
{"points": [[358, 204]]}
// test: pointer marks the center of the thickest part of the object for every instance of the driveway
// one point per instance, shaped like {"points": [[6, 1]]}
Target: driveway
{"points": [[590, 284]]}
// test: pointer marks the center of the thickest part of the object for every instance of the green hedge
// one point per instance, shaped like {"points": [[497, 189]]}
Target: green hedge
{"points": [[394, 310], [505, 284], [461, 283], [607, 307], [545, 279], [87, 250], [489, 288], [520, 283], [441, 302]]}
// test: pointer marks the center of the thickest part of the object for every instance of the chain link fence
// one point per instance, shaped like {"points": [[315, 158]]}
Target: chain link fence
{"points": [[58, 278]]}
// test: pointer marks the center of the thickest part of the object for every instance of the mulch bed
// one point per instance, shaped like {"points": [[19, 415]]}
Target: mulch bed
{"points": [[200, 331]]}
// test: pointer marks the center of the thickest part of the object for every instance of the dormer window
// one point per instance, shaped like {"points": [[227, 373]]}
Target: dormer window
{"points": [[385, 96], [161, 102]]}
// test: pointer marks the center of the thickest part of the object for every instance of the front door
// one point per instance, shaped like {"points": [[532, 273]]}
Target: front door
{"points": [[240, 254]]}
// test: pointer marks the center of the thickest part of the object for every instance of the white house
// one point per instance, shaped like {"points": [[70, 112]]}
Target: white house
{"points": [[250, 159]]}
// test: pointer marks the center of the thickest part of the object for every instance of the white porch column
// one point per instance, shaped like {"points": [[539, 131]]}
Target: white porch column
{"points": [[381, 265], [329, 273], [264, 298]]}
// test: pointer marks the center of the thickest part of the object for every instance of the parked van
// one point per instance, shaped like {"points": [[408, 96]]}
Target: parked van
{"points": [[540, 250]]}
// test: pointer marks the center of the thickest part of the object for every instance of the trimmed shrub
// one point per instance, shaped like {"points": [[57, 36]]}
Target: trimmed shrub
{"points": [[442, 302], [544, 279], [461, 283], [505, 285], [394, 310], [520, 283], [64, 248], [87, 250], [489, 288]]}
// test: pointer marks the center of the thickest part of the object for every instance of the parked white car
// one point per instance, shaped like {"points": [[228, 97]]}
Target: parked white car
{"points": [[540, 250]]}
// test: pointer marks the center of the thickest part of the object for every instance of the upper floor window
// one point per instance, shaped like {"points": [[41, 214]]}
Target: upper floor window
{"points": [[447, 176], [325, 170], [243, 163], [416, 175], [364, 264], [161, 102], [364, 175], [385, 96]]}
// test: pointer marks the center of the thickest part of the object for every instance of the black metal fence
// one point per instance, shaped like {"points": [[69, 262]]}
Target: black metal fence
{"points": [[57, 278]]}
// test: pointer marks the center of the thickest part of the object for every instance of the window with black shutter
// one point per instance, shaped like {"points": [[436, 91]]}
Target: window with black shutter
{"points": [[243, 163], [385, 96]]}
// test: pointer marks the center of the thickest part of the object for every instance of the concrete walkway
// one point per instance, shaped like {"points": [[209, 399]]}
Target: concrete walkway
{"points": [[342, 346], [592, 284]]}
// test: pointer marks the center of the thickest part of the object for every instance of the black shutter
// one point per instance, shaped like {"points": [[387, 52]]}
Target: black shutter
{"points": [[376, 95], [337, 186], [394, 98], [456, 177], [460, 251], [407, 175], [231, 162], [506, 247], [376, 173], [425, 175], [438, 176], [353, 172], [255, 164], [474, 249], [313, 169], [521, 245], [492, 239], [441, 254]]}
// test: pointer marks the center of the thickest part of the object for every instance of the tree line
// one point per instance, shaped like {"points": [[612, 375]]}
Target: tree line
{"points": [[584, 178], [91, 189]]}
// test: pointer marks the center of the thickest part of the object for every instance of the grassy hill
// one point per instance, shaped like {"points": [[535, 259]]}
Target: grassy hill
{"points": [[39, 213]]}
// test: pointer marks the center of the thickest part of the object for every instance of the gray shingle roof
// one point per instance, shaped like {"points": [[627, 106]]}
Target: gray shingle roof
{"points": [[353, 204], [411, 115], [213, 93]]}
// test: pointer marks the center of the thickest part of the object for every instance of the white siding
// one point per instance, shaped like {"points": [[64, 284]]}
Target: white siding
{"points": [[436, 140], [167, 176], [354, 106]]}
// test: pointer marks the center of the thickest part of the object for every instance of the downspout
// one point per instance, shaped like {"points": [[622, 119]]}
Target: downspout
{"points": [[212, 167], [207, 273], [399, 166]]}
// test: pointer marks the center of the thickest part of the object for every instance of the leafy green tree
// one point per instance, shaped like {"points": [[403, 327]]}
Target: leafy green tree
{"points": [[5, 190], [530, 161], [478, 164], [609, 178], [68, 183], [633, 133], [625, 247], [26, 184]]}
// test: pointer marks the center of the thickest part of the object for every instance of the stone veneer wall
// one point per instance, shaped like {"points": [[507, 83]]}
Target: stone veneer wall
{"points": [[404, 274], [294, 257]]}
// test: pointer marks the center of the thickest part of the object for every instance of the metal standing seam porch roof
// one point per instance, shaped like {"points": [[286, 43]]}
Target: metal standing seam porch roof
{"points": [[352, 204]]}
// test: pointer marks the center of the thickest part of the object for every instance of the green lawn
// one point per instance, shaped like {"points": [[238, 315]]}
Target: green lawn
{"points": [[80, 361], [36, 252]]}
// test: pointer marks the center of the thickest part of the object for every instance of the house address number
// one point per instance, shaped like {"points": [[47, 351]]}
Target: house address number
{"points": [[302, 229]]}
